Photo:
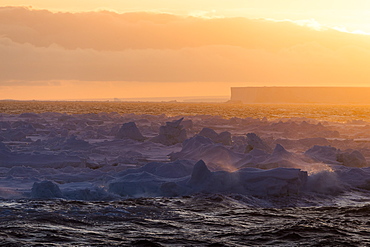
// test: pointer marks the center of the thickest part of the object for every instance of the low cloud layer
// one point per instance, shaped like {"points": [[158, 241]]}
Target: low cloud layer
{"points": [[308, 63], [37, 45]]}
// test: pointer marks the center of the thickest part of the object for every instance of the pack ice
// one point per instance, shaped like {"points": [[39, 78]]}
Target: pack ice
{"points": [[110, 156]]}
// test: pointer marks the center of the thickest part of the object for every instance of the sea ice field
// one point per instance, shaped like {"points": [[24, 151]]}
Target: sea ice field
{"points": [[137, 179]]}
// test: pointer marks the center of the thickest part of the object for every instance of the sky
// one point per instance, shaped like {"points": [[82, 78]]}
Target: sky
{"points": [[59, 50]]}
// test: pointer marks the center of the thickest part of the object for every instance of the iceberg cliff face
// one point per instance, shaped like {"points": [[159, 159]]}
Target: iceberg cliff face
{"points": [[323, 95]]}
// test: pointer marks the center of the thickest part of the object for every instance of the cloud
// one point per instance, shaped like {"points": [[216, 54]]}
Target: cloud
{"points": [[304, 64], [139, 30], [44, 47]]}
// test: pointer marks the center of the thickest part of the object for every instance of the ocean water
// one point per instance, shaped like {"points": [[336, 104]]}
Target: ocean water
{"points": [[202, 220], [338, 218]]}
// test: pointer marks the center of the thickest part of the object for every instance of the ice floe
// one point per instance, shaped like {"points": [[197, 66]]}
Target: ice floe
{"points": [[109, 156]]}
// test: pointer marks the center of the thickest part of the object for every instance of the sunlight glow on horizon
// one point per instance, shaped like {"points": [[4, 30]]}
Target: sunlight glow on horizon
{"points": [[63, 50]]}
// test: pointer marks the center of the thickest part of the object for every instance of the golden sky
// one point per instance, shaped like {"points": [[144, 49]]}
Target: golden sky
{"points": [[125, 49]]}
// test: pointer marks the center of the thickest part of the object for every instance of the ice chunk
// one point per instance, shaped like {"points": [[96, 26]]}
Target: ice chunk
{"points": [[74, 143], [223, 137], [355, 177], [29, 115], [279, 158], [325, 182], [17, 136], [280, 152], [255, 141], [171, 133], [170, 189], [89, 194], [5, 125], [4, 148], [209, 133], [326, 154], [302, 145], [195, 143], [130, 131], [37, 160], [331, 155], [253, 158], [216, 156], [276, 182], [353, 159], [200, 173], [21, 171], [177, 169], [45, 190], [188, 124], [248, 181], [137, 185]]}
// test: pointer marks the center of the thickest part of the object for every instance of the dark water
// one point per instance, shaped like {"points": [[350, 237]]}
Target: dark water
{"points": [[202, 220]]}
